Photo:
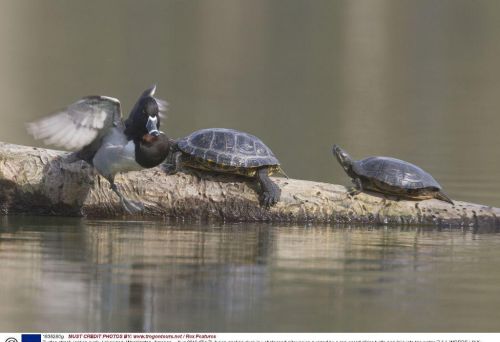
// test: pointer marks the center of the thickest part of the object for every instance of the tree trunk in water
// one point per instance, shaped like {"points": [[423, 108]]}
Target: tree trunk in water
{"points": [[40, 181]]}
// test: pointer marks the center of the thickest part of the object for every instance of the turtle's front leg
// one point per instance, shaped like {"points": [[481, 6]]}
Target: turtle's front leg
{"points": [[173, 163], [358, 187], [270, 191]]}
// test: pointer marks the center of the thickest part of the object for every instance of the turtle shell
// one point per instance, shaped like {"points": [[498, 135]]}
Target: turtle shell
{"points": [[395, 173], [228, 147]]}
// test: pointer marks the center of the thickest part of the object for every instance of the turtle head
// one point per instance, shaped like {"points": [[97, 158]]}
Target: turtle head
{"points": [[344, 159]]}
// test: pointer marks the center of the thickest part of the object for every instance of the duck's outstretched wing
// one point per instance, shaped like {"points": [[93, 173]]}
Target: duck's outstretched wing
{"points": [[78, 125]]}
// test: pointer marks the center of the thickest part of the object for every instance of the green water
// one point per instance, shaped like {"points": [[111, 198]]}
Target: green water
{"points": [[416, 80]]}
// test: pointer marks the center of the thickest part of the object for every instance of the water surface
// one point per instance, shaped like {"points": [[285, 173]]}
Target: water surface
{"points": [[79, 275]]}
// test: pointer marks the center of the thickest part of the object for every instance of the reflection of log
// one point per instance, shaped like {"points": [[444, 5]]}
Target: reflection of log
{"points": [[39, 181]]}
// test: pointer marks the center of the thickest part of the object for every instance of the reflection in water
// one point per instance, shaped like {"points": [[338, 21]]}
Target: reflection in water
{"points": [[73, 275]]}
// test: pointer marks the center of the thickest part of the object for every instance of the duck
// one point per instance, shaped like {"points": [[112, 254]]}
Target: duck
{"points": [[93, 128]]}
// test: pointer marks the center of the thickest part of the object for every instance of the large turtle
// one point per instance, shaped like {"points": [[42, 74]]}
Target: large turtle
{"points": [[229, 151], [390, 176]]}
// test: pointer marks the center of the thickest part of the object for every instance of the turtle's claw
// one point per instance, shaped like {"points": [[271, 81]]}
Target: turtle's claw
{"points": [[270, 198], [169, 169], [353, 192], [71, 158], [266, 200]]}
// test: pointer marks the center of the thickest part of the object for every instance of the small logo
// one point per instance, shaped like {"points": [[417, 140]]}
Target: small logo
{"points": [[11, 339], [31, 337]]}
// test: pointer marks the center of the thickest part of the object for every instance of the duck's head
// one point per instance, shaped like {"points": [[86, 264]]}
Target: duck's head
{"points": [[143, 120], [143, 127]]}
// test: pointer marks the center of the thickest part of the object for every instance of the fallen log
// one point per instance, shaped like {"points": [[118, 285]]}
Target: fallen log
{"points": [[40, 181]]}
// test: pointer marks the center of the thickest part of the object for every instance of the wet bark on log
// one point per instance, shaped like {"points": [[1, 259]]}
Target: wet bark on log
{"points": [[39, 181]]}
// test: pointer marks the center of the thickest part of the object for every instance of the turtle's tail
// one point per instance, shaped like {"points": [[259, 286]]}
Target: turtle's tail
{"points": [[277, 170], [282, 172], [443, 197]]}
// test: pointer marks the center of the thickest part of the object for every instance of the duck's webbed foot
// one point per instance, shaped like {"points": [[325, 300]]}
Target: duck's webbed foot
{"points": [[132, 207], [271, 193]]}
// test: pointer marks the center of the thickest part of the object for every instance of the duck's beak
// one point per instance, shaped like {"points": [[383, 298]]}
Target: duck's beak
{"points": [[152, 126]]}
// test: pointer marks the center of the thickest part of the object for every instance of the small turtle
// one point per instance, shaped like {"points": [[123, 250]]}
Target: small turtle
{"points": [[229, 151], [390, 176]]}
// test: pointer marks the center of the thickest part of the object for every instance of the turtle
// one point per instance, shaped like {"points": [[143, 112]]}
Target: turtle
{"points": [[224, 150], [390, 176]]}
